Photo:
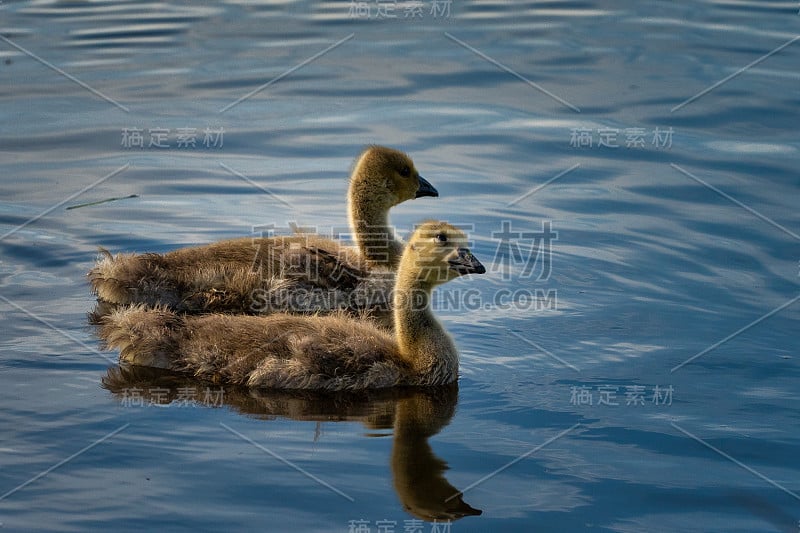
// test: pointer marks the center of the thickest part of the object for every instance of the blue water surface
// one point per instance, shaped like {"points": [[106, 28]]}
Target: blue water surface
{"points": [[627, 172]]}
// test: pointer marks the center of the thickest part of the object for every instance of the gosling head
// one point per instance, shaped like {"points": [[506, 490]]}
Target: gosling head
{"points": [[437, 252], [389, 177]]}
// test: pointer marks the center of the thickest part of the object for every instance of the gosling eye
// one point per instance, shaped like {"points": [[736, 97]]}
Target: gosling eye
{"points": [[405, 171], [440, 238]]}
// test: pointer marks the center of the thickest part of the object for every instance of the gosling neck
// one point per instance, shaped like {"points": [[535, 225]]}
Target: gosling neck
{"points": [[369, 220], [422, 341]]}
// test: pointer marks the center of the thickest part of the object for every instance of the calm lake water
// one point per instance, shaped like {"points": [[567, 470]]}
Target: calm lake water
{"points": [[627, 171]]}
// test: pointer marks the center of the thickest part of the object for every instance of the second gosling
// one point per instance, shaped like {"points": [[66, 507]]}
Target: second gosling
{"points": [[300, 273]]}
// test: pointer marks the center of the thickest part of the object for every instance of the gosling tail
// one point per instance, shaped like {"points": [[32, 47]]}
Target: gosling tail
{"points": [[146, 337], [132, 278], [101, 310]]}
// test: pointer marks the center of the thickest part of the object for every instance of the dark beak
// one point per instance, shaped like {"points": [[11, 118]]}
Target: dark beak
{"points": [[466, 263], [426, 189]]}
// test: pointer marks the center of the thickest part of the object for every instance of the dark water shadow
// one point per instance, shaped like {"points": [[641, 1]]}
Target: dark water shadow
{"points": [[415, 415]]}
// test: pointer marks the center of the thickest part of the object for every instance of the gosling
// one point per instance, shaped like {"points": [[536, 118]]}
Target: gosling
{"points": [[312, 352], [298, 273]]}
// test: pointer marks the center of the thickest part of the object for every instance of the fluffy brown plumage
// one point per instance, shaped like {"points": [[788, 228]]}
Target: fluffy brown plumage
{"points": [[312, 352], [300, 273]]}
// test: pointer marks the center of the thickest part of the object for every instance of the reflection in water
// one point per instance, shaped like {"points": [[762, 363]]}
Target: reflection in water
{"points": [[415, 414], [418, 473]]}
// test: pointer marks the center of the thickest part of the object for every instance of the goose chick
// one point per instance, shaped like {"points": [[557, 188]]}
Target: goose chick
{"points": [[312, 352], [249, 275]]}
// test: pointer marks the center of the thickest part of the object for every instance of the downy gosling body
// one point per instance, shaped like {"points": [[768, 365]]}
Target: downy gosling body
{"points": [[312, 352], [302, 273]]}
